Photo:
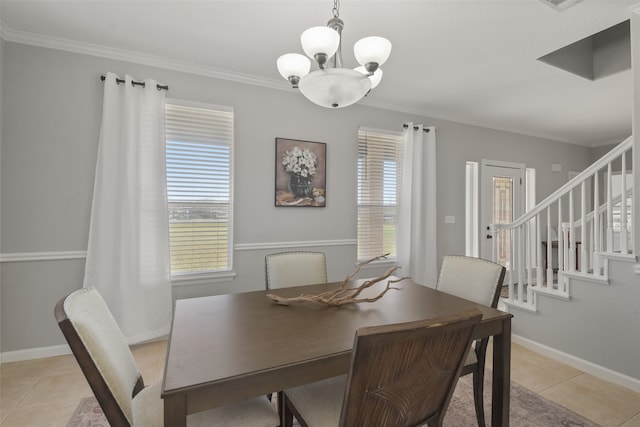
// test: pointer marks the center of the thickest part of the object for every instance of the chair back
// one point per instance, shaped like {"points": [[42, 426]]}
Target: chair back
{"points": [[405, 374], [286, 269], [475, 279], [102, 353]]}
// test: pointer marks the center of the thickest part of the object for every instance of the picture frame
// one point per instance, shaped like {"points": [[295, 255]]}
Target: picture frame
{"points": [[300, 173]]}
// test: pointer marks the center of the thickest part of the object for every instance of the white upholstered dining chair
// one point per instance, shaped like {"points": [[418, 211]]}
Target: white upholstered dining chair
{"points": [[297, 268], [401, 375], [108, 365], [480, 281]]}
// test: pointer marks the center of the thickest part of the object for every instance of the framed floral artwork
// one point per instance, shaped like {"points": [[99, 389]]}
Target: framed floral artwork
{"points": [[301, 168]]}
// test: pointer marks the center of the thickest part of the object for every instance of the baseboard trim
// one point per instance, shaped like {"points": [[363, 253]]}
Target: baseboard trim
{"points": [[34, 353], [584, 365]]}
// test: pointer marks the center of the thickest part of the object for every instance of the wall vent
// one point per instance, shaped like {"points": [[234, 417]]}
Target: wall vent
{"points": [[560, 5]]}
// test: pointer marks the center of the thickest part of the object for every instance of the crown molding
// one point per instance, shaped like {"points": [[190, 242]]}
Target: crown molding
{"points": [[430, 114], [39, 40], [74, 46]]}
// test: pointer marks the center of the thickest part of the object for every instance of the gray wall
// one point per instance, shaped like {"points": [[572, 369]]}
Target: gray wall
{"points": [[600, 323], [52, 107]]}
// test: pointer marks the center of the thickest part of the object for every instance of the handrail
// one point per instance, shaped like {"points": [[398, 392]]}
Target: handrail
{"points": [[577, 180]]}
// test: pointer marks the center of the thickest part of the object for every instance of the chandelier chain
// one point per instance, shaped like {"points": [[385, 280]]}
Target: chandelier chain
{"points": [[336, 7]]}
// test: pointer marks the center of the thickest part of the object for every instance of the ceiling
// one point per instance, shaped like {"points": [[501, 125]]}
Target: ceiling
{"points": [[471, 61]]}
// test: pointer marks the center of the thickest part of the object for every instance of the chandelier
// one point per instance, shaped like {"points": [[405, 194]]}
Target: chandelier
{"points": [[333, 86]]}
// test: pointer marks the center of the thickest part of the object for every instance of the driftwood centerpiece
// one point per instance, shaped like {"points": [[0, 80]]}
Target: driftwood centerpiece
{"points": [[344, 294]]}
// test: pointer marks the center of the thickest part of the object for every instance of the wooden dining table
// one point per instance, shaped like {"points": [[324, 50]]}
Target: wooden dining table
{"points": [[227, 348]]}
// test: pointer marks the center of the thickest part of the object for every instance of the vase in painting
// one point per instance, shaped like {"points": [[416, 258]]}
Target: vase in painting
{"points": [[301, 186]]}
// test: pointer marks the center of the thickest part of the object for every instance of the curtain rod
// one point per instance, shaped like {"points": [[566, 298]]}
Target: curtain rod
{"points": [[416, 128], [135, 83]]}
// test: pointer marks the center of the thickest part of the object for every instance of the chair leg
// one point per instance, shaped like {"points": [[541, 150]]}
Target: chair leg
{"points": [[286, 416], [478, 397], [270, 399], [290, 411]]}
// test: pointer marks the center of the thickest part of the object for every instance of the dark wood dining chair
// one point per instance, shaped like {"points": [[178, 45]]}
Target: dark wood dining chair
{"points": [[296, 268], [108, 365], [401, 375], [480, 281]]}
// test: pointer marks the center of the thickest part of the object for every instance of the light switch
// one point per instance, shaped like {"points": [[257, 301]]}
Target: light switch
{"points": [[449, 219], [556, 167]]}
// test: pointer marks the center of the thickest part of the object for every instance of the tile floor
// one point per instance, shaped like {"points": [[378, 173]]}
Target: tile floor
{"points": [[45, 392]]}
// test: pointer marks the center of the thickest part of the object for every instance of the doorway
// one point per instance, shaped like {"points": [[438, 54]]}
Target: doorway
{"points": [[502, 199]]}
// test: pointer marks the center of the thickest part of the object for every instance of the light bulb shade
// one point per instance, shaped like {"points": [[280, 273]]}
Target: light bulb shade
{"points": [[335, 87], [375, 78], [293, 64], [317, 40], [372, 50]]}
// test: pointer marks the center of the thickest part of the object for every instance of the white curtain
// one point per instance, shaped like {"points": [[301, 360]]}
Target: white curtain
{"points": [[128, 250], [417, 223]]}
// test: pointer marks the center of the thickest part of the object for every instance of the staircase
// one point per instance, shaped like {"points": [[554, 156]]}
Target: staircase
{"points": [[572, 234]]}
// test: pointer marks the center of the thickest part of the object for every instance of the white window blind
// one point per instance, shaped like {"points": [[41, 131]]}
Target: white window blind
{"points": [[199, 187], [379, 172]]}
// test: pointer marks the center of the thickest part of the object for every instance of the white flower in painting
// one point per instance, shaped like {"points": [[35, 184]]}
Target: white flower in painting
{"points": [[302, 162]]}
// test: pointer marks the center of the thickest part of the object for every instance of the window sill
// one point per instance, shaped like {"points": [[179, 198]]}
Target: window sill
{"points": [[389, 262], [202, 279]]}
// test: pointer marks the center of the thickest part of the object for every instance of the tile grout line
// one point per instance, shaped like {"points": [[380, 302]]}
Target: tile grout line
{"points": [[14, 407], [559, 383]]}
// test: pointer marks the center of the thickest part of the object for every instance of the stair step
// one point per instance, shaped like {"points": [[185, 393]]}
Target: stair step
{"points": [[603, 280], [629, 257]]}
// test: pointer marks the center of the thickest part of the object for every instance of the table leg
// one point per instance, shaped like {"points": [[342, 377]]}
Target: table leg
{"points": [[175, 411], [501, 376]]}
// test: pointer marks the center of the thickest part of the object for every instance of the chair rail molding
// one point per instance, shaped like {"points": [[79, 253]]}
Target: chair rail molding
{"points": [[42, 256], [64, 255]]}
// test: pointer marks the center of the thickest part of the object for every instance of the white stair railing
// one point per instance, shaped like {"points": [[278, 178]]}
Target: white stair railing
{"points": [[580, 234]]}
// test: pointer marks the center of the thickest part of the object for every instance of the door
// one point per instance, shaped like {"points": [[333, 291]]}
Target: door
{"points": [[501, 201]]}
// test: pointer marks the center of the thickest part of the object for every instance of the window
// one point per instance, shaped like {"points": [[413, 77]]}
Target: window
{"points": [[199, 187], [379, 172]]}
